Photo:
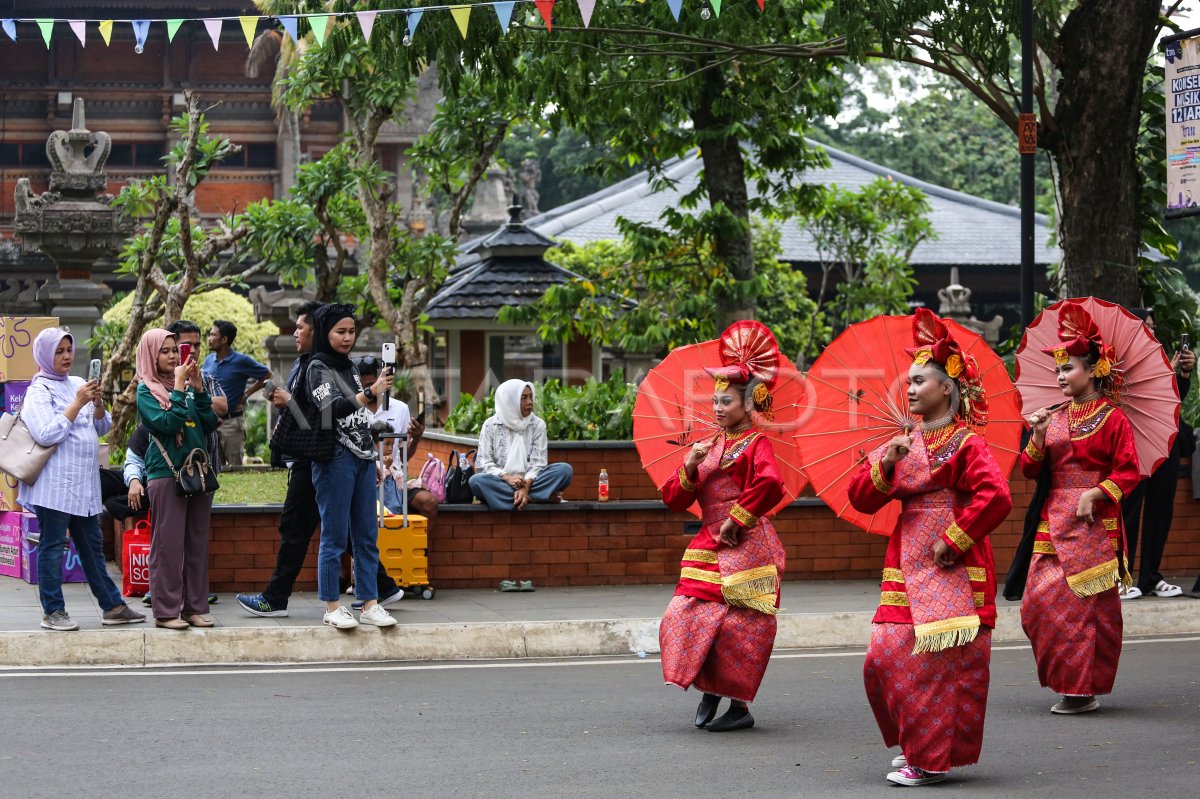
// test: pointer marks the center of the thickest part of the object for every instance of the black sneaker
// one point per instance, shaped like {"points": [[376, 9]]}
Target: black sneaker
{"points": [[146, 600], [390, 599], [257, 605]]}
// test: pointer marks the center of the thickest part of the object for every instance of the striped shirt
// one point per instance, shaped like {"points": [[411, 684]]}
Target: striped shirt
{"points": [[70, 482]]}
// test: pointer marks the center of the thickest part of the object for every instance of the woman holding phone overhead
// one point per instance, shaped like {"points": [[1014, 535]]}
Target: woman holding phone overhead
{"points": [[65, 411]]}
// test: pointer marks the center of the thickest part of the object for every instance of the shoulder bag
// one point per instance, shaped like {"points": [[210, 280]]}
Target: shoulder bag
{"points": [[195, 477], [458, 478], [298, 432], [20, 454]]}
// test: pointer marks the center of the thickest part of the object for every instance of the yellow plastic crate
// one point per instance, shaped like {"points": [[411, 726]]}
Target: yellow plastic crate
{"points": [[403, 551]]}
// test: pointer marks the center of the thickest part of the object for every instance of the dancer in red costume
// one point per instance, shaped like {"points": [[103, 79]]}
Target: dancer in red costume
{"points": [[718, 632], [927, 665], [1071, 610]]}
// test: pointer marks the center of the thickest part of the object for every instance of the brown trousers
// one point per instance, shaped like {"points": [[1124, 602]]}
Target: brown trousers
{"points": [[178, 550]]}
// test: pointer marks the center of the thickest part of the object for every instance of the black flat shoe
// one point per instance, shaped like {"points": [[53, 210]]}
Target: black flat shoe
{"points": [[730, 722], [707, 709]]}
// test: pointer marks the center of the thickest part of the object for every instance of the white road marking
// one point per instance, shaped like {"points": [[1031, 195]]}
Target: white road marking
{"points": [[251, 670]]}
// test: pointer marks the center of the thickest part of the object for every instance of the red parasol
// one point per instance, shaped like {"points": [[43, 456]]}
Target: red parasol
{"points": [[1148, 396], [857, 403], [674, 410]]}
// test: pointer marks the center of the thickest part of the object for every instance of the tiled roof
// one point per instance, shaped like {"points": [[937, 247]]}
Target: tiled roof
{"points": [[970, 230], [483, 288]]}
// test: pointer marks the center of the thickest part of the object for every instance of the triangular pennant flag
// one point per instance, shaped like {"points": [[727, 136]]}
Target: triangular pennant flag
{"points": [[141, 29], [414, 19], [213, 26], [366, 21], [462, 18], [547, 9], [47, 27], [79, 28], [761, 7], [586, 7], [716, 5], [10, 27], [173, 28], [106, 31], [249, 27], [504, 14], [319, 23], [676, 6], [289, 25]]}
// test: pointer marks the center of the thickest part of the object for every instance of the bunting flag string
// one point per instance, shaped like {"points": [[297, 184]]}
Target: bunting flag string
{"points": [[318, 23]]}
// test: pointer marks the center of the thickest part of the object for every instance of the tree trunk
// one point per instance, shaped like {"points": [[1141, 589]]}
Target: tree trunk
{"points": [[1105, 44], [725, 176]]}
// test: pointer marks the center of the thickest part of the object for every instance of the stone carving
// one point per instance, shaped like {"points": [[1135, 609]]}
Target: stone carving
{"points": [[956, 305], [527, 196]]}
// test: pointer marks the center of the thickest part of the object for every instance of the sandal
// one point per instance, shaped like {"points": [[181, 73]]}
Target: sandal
{"points": [[525, 585], [1166, 590], [508, 586]]}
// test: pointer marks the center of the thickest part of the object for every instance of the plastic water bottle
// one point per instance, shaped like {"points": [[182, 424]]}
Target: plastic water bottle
{"points": [[462, 463], [603, 485]]}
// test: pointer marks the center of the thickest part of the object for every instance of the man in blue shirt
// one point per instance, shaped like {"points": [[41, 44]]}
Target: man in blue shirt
{"points": [[233, 370]]}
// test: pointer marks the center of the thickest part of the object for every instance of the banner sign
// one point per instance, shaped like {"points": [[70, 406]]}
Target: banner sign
{"points": [[1182, 90]]}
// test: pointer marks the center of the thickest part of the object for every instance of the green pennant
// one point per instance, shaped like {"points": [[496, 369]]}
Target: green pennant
{"points": [[173, 28], [47, 26], [319, 23], [716, 6]]}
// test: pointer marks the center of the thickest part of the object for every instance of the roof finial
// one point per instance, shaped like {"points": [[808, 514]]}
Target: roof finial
{"points": [[514, 214]]}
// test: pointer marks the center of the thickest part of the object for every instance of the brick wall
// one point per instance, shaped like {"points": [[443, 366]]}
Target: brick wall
{"points": [[623, 544]]}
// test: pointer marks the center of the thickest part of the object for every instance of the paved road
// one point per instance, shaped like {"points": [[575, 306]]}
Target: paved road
{"points": [[605, 728]]}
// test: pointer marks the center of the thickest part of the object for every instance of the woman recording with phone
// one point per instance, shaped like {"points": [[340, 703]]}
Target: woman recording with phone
{"points": [[68, 412]]}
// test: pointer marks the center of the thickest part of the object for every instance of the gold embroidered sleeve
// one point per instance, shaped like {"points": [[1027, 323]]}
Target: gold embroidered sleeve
{"points": [[1110, 488], [684, 482], [1033, 452], [742, 516], [959, 538], [881, 483]]}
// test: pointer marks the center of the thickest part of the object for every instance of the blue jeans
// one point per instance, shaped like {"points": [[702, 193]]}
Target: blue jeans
{"points": [[85, 531], [498, 495], [346, 499]]}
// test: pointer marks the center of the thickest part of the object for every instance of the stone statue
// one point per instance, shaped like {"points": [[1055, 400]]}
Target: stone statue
{"points": [[956, 305], [527, 197]]}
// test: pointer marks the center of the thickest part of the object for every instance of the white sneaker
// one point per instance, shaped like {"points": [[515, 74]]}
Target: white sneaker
{"points": [[1133, 592], [377, 616], [899, 761], [341, 619], [1166, 590]]}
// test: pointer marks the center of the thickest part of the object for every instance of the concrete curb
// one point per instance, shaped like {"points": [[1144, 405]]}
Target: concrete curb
{"points": [[467, 641]]}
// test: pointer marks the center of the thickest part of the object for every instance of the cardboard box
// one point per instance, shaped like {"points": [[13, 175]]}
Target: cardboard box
{"points": [[8, 493], [14, 394], [10, 544], [72, 569], [16, 345]]}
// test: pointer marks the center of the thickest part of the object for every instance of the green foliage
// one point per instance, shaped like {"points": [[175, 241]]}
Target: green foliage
{"points": [[572, 165], [256, 431], [593, 411], [252, 487], [203, 309], [660, 288]]}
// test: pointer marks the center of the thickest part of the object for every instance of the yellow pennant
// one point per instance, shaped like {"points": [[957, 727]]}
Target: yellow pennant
{"points": [[462, 17], [249, 26], [106, 30]]}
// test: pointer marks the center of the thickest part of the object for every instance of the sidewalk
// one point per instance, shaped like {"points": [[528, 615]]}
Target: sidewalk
{"points": [[468, 624]]}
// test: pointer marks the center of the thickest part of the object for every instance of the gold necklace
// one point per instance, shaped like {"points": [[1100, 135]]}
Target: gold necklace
{"points": [[1080, 412], [939, 437]]}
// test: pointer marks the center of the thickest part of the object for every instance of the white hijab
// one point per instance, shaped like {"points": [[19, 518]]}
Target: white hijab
{"points": [[508, 413]]}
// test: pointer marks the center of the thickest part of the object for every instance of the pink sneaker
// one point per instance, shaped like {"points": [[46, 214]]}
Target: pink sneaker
{"points": [[913, 776]]}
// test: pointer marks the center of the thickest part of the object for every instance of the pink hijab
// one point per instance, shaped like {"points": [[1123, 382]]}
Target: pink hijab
{"points": [[159, 383]]}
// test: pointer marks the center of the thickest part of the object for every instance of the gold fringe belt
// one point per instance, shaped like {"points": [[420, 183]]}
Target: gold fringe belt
{"points": [[755, 589], [936, 636], [1095, 580]]}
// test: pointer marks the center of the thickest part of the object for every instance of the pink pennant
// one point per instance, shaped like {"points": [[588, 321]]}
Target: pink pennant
{"points": [[586, 7], [366, 20], [213, 26], [79, 27]]}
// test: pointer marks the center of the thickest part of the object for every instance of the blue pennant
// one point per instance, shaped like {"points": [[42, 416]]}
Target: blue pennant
{"points": [[10, 27], [414, 19], [676, 6], [504, 13], [289, 25], [141, 27]]}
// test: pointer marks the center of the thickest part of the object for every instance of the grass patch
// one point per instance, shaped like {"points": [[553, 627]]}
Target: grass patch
{"points": [[252, 487]]}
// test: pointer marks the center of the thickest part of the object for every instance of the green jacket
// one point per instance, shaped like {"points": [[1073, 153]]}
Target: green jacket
{"points": [[190, 412]]}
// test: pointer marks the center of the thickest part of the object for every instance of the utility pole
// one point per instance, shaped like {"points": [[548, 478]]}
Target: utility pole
{"points": [[1027, 146]]}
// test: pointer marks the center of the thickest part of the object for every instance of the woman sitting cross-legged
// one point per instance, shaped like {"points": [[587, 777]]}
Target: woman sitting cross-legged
{"points": [[510, 466]]}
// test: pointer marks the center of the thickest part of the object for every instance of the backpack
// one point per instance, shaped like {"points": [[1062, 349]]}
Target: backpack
{"points": [[432, 478], [458, 488]]}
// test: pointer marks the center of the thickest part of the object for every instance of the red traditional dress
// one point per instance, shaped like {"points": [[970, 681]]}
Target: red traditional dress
{"points": [[718, 631], [927, 665], [1071, 610]]}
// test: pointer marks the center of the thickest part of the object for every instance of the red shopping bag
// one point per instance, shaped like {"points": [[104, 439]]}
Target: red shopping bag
{"points": [[135, 560]]}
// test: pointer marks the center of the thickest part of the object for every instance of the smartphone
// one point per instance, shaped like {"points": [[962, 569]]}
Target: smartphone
{"points": [[389, 353], [94, 370], [268, 389], [1185, 342], [185, 352]]}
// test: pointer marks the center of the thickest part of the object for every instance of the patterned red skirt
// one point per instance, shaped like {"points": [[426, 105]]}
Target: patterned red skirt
{"points": [[932, 704], [718, 649], [1076, 640]]}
